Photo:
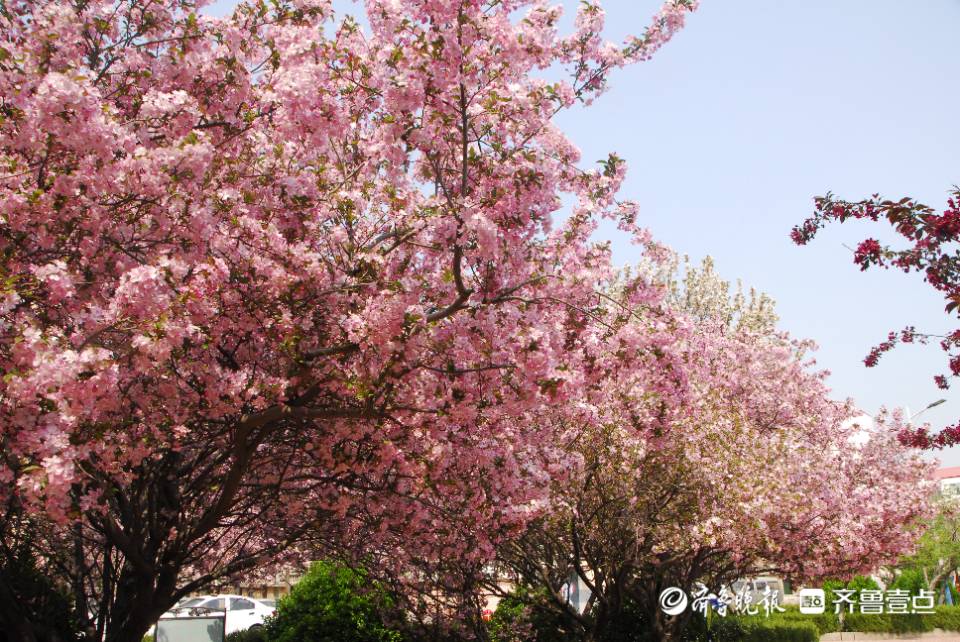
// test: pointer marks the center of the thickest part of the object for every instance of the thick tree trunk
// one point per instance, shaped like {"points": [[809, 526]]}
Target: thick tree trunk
{"points": [[140, 602], [132, 625], [660, 626], [130, 631]]}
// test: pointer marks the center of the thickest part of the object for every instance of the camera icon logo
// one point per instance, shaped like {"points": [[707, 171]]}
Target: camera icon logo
{"points": [[813, 601]]}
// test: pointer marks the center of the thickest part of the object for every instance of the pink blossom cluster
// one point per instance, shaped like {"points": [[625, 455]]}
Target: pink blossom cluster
{"points": [[302, 246]]}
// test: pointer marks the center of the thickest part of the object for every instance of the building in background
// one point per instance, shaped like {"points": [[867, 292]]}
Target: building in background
{"points": [[266, 587], [948, 481]]}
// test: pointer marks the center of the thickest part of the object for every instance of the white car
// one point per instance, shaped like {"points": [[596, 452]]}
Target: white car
{"points": [[241, 612]]}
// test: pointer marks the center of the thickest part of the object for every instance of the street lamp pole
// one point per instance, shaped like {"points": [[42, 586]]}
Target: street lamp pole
{"points": [[929, 406]]}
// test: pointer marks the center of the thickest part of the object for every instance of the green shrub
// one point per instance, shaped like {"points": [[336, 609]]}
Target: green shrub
{"points": [[946, 618], [510, 621], [829, 586], [519, 619], [862, 582], [825, 622], [909, 579], [255, 634], [888, 623], [334, 603], [787, 626], [516, 621], [761, 629]]}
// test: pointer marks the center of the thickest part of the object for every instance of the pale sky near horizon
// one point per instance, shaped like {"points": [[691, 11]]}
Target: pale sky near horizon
{"points": [[755, 108]]}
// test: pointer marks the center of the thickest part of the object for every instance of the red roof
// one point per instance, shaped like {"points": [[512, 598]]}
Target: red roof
{"points": [[944, 473]]}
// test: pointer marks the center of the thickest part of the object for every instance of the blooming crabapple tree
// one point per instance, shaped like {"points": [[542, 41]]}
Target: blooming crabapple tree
{"points": [[702, 295], [930, 237], [268, 280], [633, 376], [749, 468]]}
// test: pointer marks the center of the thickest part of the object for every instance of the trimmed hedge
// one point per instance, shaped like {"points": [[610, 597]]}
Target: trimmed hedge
{"points": [[888, 623], [788, 626], [946, 618], [824, 622], [792, 625], [763, 630]]}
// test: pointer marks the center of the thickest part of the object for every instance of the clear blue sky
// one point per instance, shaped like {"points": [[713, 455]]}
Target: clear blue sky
{"points": [[758, 106]]}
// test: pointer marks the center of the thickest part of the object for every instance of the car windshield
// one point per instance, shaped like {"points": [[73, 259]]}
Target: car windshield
{"points": [[193, 601]]}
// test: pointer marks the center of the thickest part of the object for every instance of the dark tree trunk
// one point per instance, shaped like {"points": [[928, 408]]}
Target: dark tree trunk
{"points": [[140, 601], [660, 626], [665, 628], [131, 624]]}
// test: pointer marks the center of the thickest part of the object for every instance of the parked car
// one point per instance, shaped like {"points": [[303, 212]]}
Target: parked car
{"points": [[241, 612], [757, 588]]}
